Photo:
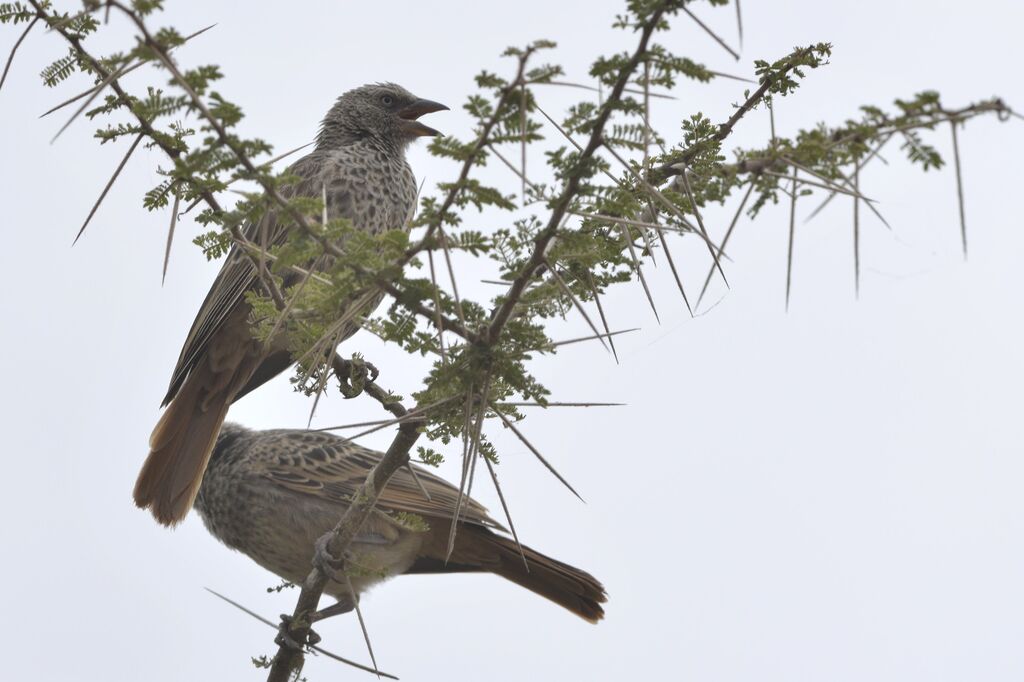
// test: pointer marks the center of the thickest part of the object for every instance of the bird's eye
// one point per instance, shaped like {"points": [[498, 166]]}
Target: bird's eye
{"points": [[387, 100]]}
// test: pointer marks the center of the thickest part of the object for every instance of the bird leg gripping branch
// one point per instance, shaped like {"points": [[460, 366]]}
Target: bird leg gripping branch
{"points": [[296, 629], [354, 375]]}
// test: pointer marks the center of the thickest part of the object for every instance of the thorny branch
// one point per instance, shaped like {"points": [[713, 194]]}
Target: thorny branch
{"points": [[147, 129], [558, 211]]}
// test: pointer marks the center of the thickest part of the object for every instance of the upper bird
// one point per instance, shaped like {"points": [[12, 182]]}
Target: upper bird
{"points": [[359, 162]]}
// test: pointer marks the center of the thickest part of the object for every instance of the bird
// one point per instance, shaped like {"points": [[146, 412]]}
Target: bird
{"points": [[272, 494], [358, 165]]}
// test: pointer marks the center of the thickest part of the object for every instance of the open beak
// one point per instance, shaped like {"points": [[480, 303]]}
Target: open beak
{"points": [[413, 111]]}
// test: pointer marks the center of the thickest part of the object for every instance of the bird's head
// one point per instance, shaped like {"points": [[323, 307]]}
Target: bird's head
{"points": [[384, 113]]}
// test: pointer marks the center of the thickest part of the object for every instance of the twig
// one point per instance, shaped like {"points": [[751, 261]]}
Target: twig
{"points": [[362, 624], [466, 426], [627, 238], [266, 164], [110, 183], [600, 311], [726, 128], [627, 221], [725, 239], [95, 93], [959, 188], [170, 236], [874, 152], [812, 183], [125, 72], [658, 228], [703, 230], [535, 451], [311, 646], [451, 276], [658, 95], [607, 335], [675, 274], [856, 230], [562, 204], [792, 235], [579, 306], [734, 53], [417, 413], [739, 22], [68, 20], [17, 44], [522, 137], [508, 515], [482, 141], [437, 308], [557, 404], [513, 168], [471, 434], [419, 484], [147, 127], [870, 203]]}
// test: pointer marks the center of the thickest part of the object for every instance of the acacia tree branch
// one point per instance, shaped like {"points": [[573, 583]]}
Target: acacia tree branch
{"points": [[777, 161], [10, 58], [482, 142], [725, 129], [148, 130], [502, 313]]}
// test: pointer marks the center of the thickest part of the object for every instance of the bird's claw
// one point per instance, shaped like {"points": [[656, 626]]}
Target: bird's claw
{"points": [[284, 635], [326, 562], [353, 375], [347, 390], [374, 372]]}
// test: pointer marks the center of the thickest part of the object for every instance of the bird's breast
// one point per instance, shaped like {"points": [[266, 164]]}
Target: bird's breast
{"points": [[374, 190]]}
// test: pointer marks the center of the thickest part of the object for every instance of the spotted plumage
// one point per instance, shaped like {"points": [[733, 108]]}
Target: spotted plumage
{"points": [[359, 161], [272, 494]]}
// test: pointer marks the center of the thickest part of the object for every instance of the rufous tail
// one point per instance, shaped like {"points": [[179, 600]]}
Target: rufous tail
{"points": [[180, 447]]}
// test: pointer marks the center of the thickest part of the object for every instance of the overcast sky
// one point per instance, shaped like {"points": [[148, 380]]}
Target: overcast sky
{"points": [[828, 494]]}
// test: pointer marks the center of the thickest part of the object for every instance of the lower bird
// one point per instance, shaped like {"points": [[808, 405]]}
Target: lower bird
{"points": [[273, 494]]}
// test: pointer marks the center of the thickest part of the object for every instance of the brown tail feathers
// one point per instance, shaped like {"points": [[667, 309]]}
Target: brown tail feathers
{"points": [[180, 448], [566, 585], [478, 549]]}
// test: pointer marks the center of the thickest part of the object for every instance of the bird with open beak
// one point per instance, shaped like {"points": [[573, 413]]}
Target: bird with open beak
{"points": [[359, 166]]}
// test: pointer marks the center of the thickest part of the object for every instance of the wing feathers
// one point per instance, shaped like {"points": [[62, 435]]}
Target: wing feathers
{"points": [[238, 275], [331, 468]]}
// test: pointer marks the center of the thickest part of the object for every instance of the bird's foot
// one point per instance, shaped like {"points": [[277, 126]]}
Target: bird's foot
{"points": [[372, 369], [326, 562], [284, 635], [354, 374]]}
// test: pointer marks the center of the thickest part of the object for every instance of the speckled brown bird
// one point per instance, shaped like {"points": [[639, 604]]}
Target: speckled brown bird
{"points": [[359, 161], [272, 494]]}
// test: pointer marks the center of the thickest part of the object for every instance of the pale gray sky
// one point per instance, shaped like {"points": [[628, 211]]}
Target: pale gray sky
{"points": [[832, 494]]}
